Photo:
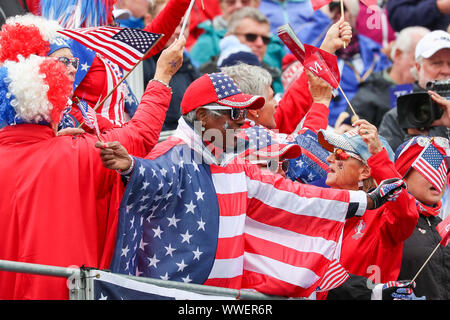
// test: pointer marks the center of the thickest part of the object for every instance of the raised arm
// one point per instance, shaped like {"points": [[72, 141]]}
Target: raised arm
{"points": [[141, 133], [297, 101]]}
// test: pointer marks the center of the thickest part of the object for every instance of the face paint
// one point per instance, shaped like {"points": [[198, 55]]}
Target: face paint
{"points": [[340, 165]]}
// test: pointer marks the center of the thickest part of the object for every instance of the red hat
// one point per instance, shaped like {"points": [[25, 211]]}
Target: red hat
{"points": [[430, 156], [218, 88]]}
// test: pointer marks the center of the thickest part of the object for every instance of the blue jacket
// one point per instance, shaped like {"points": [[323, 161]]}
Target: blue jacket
{"points": [[406, 13], [309, 26], [207, 46]]}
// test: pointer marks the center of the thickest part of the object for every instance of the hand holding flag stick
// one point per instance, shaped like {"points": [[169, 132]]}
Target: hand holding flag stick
{"points": [[187, 15]]}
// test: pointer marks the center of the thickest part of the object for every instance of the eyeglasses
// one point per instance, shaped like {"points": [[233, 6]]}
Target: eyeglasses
{"points": [[251, 37], [235, 113], [271, 164], [243, 2], [69, 61], [340, 154]]}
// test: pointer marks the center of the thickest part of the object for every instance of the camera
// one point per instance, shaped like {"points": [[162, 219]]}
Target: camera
{"points": [[418, 110]]}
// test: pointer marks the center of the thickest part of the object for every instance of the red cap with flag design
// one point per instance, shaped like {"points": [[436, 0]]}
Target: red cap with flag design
{"points": [[218, 88]]}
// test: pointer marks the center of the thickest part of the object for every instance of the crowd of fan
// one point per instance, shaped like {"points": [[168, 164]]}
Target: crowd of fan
{"points": [[350, 155]]}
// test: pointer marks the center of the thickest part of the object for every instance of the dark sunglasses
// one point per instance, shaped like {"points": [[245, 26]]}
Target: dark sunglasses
{"points": [[340, 154], [251, 37], [69, 61], [236, 113]]}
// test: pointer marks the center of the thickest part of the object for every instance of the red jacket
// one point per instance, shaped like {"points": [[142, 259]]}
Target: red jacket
{"points": [[294, 105], [58, 204], [94, 85], [372, 244]]}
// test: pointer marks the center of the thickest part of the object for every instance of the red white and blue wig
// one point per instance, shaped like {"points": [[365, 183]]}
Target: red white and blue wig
{"points": [[33, 90]]}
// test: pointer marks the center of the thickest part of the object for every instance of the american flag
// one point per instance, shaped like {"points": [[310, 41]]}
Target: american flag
{"points": [[444, 230], [120, 100], [185, 220], [124, 46], [430, 164], [89, 116]]}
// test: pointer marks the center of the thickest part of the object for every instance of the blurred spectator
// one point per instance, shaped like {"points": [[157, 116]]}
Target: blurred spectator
{"points": [[433, 281], [10, 8], [378, 94], [207, 44], [432, 63], [232, 51], [136, 9], [180, 80], [356, 62], [372, 22], [198, 15], [309, 26], [252, 28], [432, 14]]}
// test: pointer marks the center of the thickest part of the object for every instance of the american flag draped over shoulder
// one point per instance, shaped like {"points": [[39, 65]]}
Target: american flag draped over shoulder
{"points": [[430, 164], [123, 46], [227, 226]]}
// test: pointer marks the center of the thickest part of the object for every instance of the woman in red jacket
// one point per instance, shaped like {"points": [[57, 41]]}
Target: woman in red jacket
{"points": [[372, 244]]}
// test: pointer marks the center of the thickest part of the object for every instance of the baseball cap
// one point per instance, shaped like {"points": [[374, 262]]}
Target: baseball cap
{"points": [[431, 43], [351, 142], [217, 88]]}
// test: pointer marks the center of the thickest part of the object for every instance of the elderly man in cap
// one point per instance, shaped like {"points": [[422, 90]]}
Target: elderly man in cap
{"points": [[194, 212], [432, 63]]}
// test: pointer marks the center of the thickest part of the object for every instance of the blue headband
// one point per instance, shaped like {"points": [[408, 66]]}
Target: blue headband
{"points": [[58, 43]]}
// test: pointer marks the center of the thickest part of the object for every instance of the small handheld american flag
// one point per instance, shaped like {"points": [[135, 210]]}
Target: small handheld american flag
{"points": [[89, 116], [430, 164]]}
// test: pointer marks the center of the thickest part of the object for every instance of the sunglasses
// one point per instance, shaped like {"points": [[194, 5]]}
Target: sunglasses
{"points": [[251, 37], [235, 113], [273, 163], [69, 61], [340, 154]]}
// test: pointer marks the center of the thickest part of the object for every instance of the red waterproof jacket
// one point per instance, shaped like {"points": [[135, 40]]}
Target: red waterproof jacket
{"points": [[58, 204], [372, 244]]}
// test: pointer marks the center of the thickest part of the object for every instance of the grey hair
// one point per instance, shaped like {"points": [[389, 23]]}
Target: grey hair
{"points": [[250, 79], [191, 116], [404, 41], [246, 12]]}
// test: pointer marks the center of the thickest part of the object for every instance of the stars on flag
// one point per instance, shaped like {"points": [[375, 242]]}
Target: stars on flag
{"points": [[169, 224]]}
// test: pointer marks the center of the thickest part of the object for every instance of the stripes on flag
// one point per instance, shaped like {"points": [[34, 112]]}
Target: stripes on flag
{"points": [[271, 253], [89, 116], [431, 165], [333, 278], [109, 109], [124, 46]]}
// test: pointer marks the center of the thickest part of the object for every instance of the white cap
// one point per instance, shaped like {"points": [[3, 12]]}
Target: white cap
{"points": [[432, 43]]}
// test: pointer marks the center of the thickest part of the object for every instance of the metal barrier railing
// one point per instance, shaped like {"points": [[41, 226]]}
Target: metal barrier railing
{"points": [[82, 288]]}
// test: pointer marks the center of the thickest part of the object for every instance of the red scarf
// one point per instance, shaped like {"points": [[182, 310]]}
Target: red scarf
{"points": [[428, 211]]}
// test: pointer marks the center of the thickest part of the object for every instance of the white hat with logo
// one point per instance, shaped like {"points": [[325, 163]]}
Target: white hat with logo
{"points": [[432, 43]]}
